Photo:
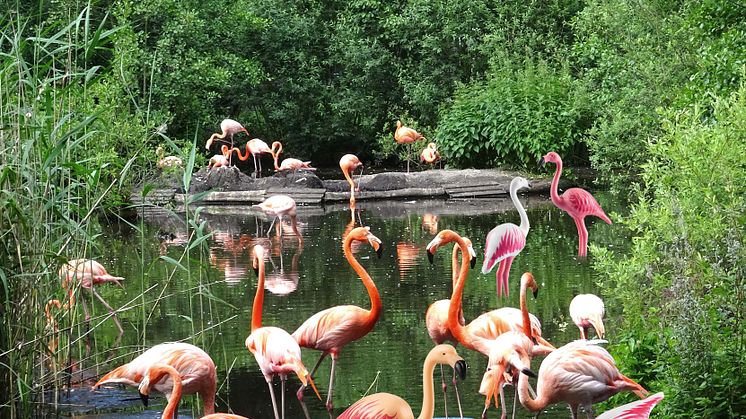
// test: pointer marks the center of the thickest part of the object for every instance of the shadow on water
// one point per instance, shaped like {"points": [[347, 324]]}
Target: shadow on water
{"points": [[213, 302]]}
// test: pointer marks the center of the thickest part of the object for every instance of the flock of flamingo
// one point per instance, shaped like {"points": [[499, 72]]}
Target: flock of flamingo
{"points": [[579, 373]]}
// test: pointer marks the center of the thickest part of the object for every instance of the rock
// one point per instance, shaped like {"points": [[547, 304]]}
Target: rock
{"points": [[221, 179], [384, 182]]}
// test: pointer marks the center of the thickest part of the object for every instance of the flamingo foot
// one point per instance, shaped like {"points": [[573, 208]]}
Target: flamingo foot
{"points": [[329, 406]]}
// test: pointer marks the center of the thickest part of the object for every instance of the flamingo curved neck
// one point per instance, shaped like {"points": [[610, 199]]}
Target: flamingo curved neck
{"points": [[533, 405], [521, 211], [454, 278], [276, 154], [556, 199], [256, 313], [173, 401], [527, 327], [370, 286], [458, 330], [428, 394], [243, 157]]}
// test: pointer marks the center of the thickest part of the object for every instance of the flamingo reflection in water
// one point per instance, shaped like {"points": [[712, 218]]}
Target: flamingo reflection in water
{"points": [[227, 254], [282, 281], [406, 256], [430, 223]]}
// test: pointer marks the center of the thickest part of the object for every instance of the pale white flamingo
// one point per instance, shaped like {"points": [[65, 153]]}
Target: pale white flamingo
{"points": [[228, 128], [255, 147], [587, 310], [279, 206]]}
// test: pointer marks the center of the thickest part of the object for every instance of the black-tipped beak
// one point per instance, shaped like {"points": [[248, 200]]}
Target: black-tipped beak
{"points": [[529, 185], [536, 294], [144, 399], [379, 252], [529, 372], [256, 270], [541, 161], [473, 263], [460, 368], [430, 257]]}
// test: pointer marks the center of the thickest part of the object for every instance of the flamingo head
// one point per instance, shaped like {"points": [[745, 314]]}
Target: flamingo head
{"points": [[530, 282], [550, 157], [258, 256], [492, 382], [152, 376], [442, 238], [519, 183], [472, 253], [446, 354], [225, 150], [363, 234], [349, 163], [303, 375]]}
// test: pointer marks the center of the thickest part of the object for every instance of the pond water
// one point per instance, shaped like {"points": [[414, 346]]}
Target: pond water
{"points": [[209, 302]]}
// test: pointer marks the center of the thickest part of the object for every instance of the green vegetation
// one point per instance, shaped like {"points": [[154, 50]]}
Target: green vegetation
{"points": [[650, 93]]}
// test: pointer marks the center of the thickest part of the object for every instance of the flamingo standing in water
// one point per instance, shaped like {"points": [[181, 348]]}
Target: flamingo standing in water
{"points": [[587, 310], [436, 318], [255, 147], [349, 163], [575, 201], [84, 273], [228, 128], [430, 154], [331, 329], [506, 241], [276, 352], [406, 135], [278, 206], [580, 373], [159, 372], [194, 366], [389, 406]]}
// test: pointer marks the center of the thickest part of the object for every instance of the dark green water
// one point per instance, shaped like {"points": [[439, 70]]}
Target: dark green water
{"points": [[210, 304]]}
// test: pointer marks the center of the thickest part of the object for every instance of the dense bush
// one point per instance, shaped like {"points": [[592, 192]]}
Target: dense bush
{"points": [[512, 119], [688, 260]]}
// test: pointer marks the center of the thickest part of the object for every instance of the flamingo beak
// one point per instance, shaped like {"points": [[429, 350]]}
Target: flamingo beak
{"points": [[529, 372], [313, 386], [541, 161], [430, 256], [460, 368], [536, 293], [144, 399], [379, 251]]}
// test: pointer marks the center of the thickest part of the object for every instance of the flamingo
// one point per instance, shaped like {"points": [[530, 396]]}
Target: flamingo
{"points": [[406, 135], [480, 332], [228, 127], [254, 147], [166, 161], [84, 273], [194, 366], [639, 409], [587, 310], [278, 206], [349, 163], [387, 405], [506, 241], [331, 329], [276, 352], [159, 372], [578, 203], [580, 373], [436, 318], [430, 154], [220, 160], [290, 163]]}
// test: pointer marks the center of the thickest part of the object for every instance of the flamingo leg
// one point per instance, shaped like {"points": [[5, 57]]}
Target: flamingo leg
{"points": [[574, 411], [111, 310], [515, 400], [303, 403], [582, 236], [282, 397], [260, 165], [269, 230], [443, 386], [498, 277], [458, 399], [506, 274], [329, 405], [272, 393], [503, 412]]}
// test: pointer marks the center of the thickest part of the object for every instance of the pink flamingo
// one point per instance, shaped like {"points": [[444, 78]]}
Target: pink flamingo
{"points": [[436, 318], [194, 366], [406, 135], [639, 409], [220, 160], [331, 329], [587, 310], [84, 273], [580, 373], [349, 163], [389, 406], [506, 241], [576, 202], [430, 154], [254, 147], [159, 372], [278, 206], [228, 127], [276, 352], [289, 163]]}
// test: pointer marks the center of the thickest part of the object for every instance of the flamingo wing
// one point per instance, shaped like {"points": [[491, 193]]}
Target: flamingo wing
{"points": [[273, 348], [332, 328], [639, 409], [378, 406], [504, 241], [583, 203], [277, 204]]}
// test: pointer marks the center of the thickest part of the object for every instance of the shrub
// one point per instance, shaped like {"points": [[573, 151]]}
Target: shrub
{"points": [[512, 119]]}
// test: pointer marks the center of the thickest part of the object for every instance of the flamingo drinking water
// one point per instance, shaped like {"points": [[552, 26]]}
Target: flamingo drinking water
{"points": [[349, 163], [576, 202]]}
